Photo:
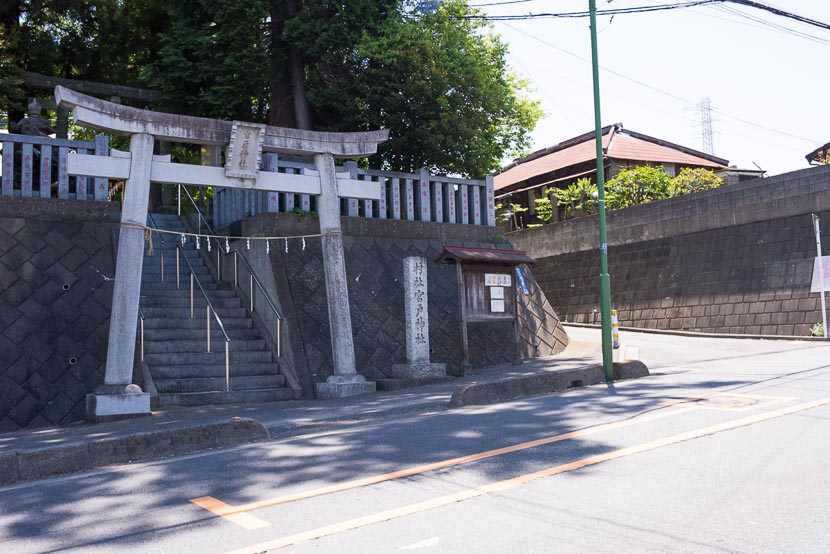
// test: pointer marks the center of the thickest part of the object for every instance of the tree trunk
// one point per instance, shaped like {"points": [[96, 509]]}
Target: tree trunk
{"points": [[289, 103]]}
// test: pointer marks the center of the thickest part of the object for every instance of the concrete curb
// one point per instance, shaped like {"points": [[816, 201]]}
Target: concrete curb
{"points": [[39, 463], [679, 333], [542, 383]]}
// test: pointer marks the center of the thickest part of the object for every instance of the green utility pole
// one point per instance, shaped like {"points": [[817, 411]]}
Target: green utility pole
{"points": [[604, 278]]}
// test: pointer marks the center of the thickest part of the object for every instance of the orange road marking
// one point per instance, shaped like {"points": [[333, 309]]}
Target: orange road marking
{"points": [[221, 509], [520, 480]]}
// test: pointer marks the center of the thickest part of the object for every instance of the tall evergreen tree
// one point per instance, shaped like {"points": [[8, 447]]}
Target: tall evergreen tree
{"points": [[438, 80]]}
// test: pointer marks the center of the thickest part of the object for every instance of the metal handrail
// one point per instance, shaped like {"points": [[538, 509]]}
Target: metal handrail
{"points": [[254, 279], [219, 247], [238, 254], [141, 325], [161, 238], [209, 305], [210, 309]]}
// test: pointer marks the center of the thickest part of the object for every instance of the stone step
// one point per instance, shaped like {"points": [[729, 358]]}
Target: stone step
{"points": [[169, 250], [216, 357], [184, 312], [199, 334], [163, 221], [232, 397], [198, 346], [184, 292], [184, 385], [152, 301], [191, 371], [198, 322], [169, 283], [154, 271]]}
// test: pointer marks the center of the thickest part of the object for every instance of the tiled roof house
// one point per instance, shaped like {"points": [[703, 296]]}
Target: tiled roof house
{"points": [[819, 155], [560, 165]]}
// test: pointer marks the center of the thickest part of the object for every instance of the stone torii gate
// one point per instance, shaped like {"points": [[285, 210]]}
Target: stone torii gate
{"points": [[245, 143]]}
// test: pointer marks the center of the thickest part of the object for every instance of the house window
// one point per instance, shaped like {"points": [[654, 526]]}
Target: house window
{"points": [[670, 169]]}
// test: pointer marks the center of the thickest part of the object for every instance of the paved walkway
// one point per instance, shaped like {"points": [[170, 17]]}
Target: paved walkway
{"points": [[81, 446]]}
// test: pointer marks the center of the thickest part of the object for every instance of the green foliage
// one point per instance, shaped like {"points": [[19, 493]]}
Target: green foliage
{"points": [[441, 84], [630, 187], [212, 60], [578, 198], [509, 214], [498, 238], [438, 80], [691, 180], [11, 93], [544, 209], [637, 186], [817, 330]]}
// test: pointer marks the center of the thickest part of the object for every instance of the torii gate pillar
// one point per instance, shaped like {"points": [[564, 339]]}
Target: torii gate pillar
{"points": [[246, 142], [118, 397], [346, 381]]}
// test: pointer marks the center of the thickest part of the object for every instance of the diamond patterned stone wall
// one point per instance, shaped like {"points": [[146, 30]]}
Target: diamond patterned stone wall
{"points": [[374, 253], [57, 260]]}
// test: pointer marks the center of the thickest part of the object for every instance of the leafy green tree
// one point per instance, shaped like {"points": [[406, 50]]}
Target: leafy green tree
{"points": [[544, 209], [441, 84], [437, 80], [691, 180], [577, 198], [637, 186]]}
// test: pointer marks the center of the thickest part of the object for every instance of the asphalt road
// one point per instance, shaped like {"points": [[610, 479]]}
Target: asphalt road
{"points": [[723, 449]]}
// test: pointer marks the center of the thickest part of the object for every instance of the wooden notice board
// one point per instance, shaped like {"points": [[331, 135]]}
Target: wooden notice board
{"points": [[489, 293], [486, 288]]}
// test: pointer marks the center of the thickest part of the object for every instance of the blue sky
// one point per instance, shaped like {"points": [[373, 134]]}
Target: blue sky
{"points": [[768, 87]]}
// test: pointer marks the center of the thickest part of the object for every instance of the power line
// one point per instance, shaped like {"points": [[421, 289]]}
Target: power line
{"points": [[782, 13], [645, 9], [610, 11], [772, 25], [663, 92]]}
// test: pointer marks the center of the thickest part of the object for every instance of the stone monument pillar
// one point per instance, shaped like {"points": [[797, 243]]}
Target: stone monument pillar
{"points": [[416, 307], [346, 381]]}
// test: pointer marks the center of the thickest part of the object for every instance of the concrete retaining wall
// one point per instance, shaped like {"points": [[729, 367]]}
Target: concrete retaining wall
{"points": [[57, 261], [374, 253], [734, 260]]}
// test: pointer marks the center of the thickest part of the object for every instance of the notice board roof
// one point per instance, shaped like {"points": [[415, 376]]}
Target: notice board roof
{"points": [[454, 254]]}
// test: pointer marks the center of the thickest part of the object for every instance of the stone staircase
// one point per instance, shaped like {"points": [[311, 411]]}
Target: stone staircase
{"points": [[184, 373]]}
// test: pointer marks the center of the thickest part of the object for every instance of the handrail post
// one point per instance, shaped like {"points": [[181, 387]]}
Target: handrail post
{"points": [[207, 309], [177, 267], [252, 293], [227, 369], [191, 295], [234, 270], [161, 255], [218, 267], [179, 191], [141, 320], [279, 349]]}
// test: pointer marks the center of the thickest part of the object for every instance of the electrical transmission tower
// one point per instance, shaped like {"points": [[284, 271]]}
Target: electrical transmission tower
{"points": [[705, 108]]}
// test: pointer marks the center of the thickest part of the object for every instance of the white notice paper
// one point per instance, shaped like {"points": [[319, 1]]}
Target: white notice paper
{"points": [[497, 305], [491, 279], [497, 293], [815, 285]]}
